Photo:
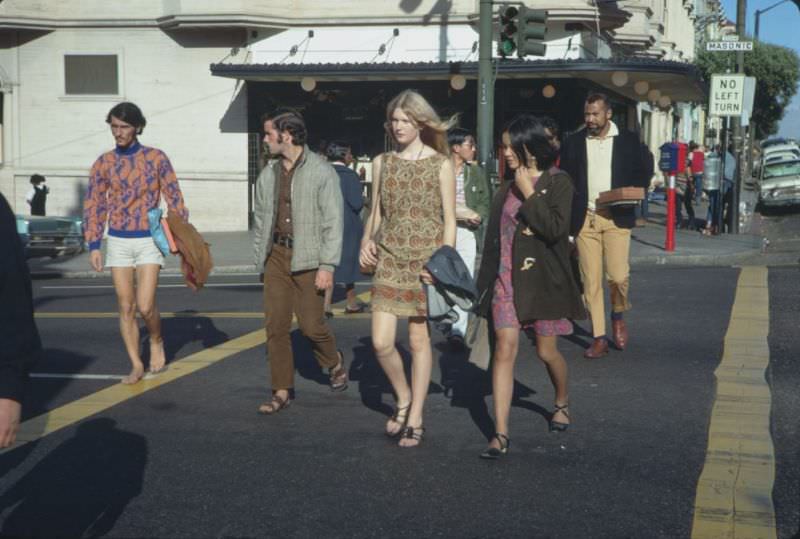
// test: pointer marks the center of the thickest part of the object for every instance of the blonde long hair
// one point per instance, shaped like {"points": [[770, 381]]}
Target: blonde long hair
{"points": [[433, 130]]}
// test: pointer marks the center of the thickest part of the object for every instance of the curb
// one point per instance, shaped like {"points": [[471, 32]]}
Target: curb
{"points": [[706, 260]]}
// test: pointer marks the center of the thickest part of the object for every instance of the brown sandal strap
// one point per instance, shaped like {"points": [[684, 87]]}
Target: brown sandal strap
{"points": [[276, 404], [562, 408], [401, 411], [413, 433]]}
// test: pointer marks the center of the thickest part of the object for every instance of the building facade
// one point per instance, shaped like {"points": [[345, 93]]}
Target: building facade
{"points": [[203, 72]]}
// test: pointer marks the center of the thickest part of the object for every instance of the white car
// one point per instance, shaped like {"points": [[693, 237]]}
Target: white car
{"points": [[779, 183]]}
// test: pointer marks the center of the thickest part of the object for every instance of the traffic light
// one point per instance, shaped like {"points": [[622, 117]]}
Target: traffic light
{"points": [[533, 27], [507, 43]]}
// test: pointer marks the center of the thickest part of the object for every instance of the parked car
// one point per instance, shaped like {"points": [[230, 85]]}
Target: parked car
{"points": [[782, 155], [779, 184], [779, 149], [768, 144], [50, 236]]}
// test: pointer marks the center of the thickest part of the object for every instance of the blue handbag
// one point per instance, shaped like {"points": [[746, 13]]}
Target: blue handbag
{"points": [[157, 231]]}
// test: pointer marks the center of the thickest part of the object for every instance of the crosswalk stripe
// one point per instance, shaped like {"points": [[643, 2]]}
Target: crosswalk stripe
{"points": [[69, 376], [69, 414], [240, 315], [734, 492]]}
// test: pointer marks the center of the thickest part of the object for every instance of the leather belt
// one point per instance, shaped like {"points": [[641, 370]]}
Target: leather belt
{"points": [[285, 241]]}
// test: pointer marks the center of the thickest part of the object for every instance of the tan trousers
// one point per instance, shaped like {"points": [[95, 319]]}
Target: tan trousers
{"points": [[286, 293], [600, 242]]}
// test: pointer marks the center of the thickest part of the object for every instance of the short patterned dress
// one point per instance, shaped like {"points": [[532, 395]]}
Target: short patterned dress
{"points": [[504, 314], [411, 229]]}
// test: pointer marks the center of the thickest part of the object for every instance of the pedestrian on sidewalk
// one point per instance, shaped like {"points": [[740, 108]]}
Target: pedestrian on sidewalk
{"points": [[124, 184], [473, 197], [684, 194], [728, 185], [697, 164], [37, 196], [413, 214], [599, 158], [20, 345], [525, 280], [711, 183], [339, 154], [298, 241]]}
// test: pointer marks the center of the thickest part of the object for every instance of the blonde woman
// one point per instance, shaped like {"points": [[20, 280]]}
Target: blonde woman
{"points": [[413, 214]]}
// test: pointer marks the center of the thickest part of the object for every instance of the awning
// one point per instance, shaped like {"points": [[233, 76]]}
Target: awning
{"points": [[634, 78]]}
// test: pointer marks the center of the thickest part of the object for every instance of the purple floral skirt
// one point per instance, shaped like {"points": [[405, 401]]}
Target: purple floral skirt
{"points": [[504, 315]]}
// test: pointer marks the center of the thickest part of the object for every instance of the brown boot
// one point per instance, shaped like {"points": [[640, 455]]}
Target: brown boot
{"points": [[620, 331], [598, 349]]}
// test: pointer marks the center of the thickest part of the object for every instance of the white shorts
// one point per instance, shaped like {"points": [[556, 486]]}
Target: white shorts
{"points": [[132, 252]]}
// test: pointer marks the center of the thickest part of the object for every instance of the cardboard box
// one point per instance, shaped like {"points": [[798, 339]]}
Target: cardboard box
{"points": [[621, 196]]}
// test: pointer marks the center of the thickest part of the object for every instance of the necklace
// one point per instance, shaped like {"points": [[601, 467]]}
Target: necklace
{"points": [[419, 154]]}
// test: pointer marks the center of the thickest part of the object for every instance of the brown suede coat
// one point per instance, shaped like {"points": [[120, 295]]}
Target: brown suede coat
{"points": [[196, 261]]}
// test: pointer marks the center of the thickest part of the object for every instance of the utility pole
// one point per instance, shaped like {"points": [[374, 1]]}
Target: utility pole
{"points": [[741, 13], [485, 88]]}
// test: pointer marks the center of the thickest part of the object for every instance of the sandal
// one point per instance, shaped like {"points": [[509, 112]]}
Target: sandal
{"points": [[338, 375], [400, 415], [328, 314], [359, 309], [494, 453], [274, 406], [412, 433], [557, 426]]}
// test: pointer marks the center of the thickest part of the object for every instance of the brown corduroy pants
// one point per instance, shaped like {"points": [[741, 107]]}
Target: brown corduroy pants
{"points": [[287, 293]]}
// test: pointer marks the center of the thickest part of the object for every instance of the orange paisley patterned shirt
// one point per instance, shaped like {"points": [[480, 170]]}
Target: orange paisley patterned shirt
{"points": [[123, 185]]}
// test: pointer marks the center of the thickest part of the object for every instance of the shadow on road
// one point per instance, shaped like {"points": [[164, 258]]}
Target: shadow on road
{"points": [[80, 488], [372, 382], [178, 332], [41, 392]]}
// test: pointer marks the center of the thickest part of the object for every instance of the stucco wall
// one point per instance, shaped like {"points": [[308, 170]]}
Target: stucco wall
{"points": [[197, 119]]}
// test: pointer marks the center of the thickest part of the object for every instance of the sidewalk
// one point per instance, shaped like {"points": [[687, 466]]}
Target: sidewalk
{"points": [[691, 247], [233, 251]]}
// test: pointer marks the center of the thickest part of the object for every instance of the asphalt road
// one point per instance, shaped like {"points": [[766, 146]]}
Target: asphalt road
{"points": [[191, 458]]}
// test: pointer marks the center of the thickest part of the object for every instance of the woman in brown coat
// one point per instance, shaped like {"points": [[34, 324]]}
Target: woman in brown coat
{"points": [[525, 281]]}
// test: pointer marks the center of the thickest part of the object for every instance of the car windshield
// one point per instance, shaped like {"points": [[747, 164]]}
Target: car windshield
{"points": [[786, 168]]}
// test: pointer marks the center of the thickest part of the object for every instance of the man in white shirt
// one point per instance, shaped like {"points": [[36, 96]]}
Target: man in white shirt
{"points": [[599, 158]]}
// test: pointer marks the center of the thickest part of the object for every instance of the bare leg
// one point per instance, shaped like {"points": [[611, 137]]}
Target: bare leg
{"points": [[128, 326], [146, 284], [505, 356], [421, 363], [384, 332], [547, 350]]}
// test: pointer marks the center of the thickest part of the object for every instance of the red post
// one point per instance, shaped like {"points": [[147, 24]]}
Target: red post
{"points": [[669, 243]]}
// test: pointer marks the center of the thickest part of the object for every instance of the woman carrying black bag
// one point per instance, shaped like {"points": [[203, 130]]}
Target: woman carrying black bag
{"points": [[527, 244]]}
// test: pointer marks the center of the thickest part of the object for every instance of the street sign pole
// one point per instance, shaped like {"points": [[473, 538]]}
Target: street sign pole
{"points": [[741, 13], [721, 198], [485, 88]]}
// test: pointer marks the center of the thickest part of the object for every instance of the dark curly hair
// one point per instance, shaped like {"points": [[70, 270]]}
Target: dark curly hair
{"points": [[128, 113], [290, 121]]}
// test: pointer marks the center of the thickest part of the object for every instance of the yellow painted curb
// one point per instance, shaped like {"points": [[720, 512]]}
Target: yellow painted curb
{"points": [[734, 492]]}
